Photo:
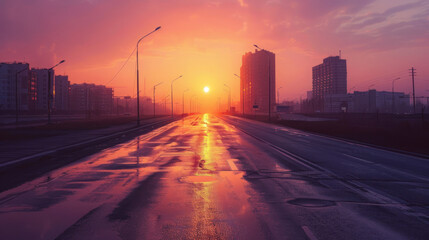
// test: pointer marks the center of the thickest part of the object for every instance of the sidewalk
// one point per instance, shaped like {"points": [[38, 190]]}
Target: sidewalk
{"points": [[14, 149]]}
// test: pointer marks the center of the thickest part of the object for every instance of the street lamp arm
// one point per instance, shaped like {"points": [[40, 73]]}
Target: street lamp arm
{"points": [[176, 79], [156, 29], [57, 64]]}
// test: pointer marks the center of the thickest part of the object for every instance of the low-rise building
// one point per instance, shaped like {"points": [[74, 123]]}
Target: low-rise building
{"points": [[91, 99]]}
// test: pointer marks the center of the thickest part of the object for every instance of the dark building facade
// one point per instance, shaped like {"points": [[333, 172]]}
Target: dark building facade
{"points": [[91, 99], [42, 89], [62, 93], [16, 83], [329, 78], [256, 70]]}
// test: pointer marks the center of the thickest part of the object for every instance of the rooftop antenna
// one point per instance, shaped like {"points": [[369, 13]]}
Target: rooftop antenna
{"points": [[340, 53]]}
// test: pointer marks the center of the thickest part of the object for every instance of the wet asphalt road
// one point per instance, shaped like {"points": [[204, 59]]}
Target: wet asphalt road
{"points": [[206, 177]]}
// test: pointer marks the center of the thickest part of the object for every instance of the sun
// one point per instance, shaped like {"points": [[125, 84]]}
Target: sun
{"points": [[206, 89]]}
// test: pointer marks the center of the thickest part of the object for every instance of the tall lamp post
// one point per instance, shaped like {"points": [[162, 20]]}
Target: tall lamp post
{"points": [[393, 94], [165, 103], [172, 112], [278, 95], [369, 97], [242, 93], [229, 97], [190, 103], [154, 103], [137, 61], [16, 93], [183, 102], [49, 90], [269, 81]]}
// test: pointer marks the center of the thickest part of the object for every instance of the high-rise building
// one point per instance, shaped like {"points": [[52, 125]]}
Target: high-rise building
{"points": [[42, 89], [329, 78], [62, 93], [256, 71], [91, 99], [16, 83]]}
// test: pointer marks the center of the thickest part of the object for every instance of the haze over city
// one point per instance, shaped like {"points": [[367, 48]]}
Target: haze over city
{"points": [[204, 41], [214, 119]]}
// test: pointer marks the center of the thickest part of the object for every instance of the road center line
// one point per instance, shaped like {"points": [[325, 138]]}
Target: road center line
{"points": [[309, 233], [232, 165], [359, 159]]}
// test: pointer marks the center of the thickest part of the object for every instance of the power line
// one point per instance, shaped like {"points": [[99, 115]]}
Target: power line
{"points": [[123, 65]]}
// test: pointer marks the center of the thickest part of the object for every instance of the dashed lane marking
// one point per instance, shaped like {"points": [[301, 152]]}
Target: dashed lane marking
{"points": [[232, 165]]}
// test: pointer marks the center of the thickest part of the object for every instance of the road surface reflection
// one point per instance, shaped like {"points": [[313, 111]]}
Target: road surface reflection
{"points": [[179, 180]]}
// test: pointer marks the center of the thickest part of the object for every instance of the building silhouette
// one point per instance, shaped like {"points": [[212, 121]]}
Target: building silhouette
{"points": [[16, 81], [62, 93], [91, 99], [329, 78], [256, 70], [42, 89]]}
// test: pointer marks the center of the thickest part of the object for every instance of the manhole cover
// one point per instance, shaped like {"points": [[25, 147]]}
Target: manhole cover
{"points": [[311, 202]]}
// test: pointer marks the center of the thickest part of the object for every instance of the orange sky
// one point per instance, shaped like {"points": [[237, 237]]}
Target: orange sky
{"points": [[204, 41]]}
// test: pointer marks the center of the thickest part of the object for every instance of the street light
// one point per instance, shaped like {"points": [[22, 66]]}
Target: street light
{"points": [[172, 112], [137, 61], [16, 93], [227, 104], [154, 87], [278, 95], [393, 94], [49, 90], [165, 103], [190, 103], [229, 97], [269, 81], [183, 102], [242, 93]]}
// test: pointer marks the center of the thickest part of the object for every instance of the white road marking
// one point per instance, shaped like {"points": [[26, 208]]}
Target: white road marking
{"points": [[309, 233], [232, 165], [359, 159]]}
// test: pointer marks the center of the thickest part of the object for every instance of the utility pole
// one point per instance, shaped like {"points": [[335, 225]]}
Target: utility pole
{"points": [[183, 102], [16, 94], [413, 73], [172, 111], [154, 103], [393, 94], [49, 90]]}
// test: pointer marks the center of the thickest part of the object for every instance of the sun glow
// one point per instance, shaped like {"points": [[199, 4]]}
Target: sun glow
{"points": [[206, 89]]}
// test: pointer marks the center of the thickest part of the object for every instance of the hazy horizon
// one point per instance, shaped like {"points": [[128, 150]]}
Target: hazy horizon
{"points": [[205, 40]]}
